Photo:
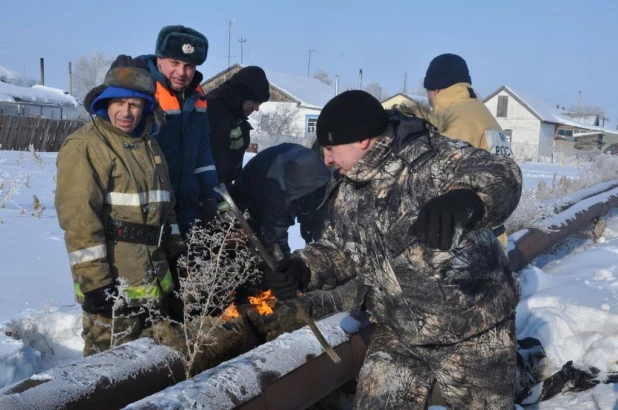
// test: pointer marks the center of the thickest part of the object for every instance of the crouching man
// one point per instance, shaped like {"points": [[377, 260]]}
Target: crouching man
{"points": [[115, 203], [411, 218]]}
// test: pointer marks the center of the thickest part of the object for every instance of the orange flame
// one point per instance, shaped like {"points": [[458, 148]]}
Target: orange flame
{"points": [[230, 312], [264, 303]]}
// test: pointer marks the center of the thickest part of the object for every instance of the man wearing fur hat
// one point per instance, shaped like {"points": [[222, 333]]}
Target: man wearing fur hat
{"points": [[449, 89], [115, 203], [411, 218], [229, 105], [185, 136]]}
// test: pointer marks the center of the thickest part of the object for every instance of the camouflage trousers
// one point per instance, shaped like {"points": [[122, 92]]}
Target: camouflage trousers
{"points": [[101, 332], [477, 373]]}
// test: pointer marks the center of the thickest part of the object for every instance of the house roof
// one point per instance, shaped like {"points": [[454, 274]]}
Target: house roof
{"points": [[15, 87], [545, 112], [308, 92], [37, 94], [419, 98]]}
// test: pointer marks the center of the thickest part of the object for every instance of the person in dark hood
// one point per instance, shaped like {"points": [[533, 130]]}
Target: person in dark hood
{"points": [[278, 185], [185, 136], [229, 105]]}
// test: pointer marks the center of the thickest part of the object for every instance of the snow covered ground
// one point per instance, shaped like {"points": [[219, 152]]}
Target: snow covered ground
{"points": [[571, 304]]}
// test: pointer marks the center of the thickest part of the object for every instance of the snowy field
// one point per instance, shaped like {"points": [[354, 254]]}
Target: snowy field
{"points": [[570, 305]]}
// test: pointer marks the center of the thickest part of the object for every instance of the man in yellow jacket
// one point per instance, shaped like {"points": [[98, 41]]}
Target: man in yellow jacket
{"points": [[115, 203], [450, 93]]}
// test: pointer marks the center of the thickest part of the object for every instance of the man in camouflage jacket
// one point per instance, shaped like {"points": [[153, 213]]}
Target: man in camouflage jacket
{"points": [[412, 219]]}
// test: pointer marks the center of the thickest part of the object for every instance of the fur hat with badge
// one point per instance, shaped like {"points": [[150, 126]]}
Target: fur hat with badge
{"points": [[182, 43], [351, 116], [127, 78]]}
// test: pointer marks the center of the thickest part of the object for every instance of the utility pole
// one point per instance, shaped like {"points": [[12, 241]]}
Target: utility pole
{"points": [[579, 102], [229, 43], [242, 42], [309, 63], [336, 84], [360, 78], [405, 82], [70, 79]]}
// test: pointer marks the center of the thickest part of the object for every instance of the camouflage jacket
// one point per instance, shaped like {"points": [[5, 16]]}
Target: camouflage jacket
{"points": [[422, 296]]}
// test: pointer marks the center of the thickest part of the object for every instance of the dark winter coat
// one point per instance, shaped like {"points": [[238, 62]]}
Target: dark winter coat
{"points": [[184, 139], [278, 185], [422, 295], [230, 130]]}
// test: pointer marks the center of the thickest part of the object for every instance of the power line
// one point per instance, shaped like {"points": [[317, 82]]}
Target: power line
{"points": [[242, 42]]}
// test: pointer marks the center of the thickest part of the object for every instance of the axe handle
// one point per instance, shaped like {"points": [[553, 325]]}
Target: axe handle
{"points": [[272, 264]]}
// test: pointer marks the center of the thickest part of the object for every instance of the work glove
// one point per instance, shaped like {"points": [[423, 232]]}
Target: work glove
{"points": [[174, 247], [443, 220], [97, 301], [289, 276], [207, 211]]}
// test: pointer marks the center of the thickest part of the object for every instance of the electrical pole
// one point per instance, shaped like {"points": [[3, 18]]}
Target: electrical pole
{"points": [[405, 82], [70, 79], [360, 78], [309, 63], [579, 102], [229, 43], [242, 42], [42, 71]]}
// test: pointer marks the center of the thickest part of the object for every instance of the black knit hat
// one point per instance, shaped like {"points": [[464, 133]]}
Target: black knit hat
{"points": [[446, 70], [251, 84], [182, 43], [351, 116]]}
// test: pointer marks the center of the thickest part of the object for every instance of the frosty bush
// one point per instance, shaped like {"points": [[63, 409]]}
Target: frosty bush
{"points": [[217, 262]]}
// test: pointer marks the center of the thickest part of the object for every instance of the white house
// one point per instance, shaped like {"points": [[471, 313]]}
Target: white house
{"points": [[293, 109], [20, 96], [533, 125]]}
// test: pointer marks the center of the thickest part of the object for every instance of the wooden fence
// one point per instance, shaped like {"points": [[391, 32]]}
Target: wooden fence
{"points": [[46, 135]]}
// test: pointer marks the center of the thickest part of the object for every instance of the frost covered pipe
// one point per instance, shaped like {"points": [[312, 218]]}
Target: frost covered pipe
{"points": [[530, 243], [290, 372], [108, 380]]}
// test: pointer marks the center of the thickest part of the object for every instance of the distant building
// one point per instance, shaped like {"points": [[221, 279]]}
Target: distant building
{"points": [[403, 98], [534, 126], [18, 96], [292, 111]]}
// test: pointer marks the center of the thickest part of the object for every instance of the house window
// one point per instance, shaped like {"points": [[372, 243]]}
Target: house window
{"points": [[311, 121], [503, 102], [509, 135], [265, 122], [566, 134]]}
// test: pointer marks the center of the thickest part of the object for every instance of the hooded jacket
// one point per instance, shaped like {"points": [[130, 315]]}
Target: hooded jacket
{"points": [[230, 130], [105, 174], [420, 295], [185, 141], [277, 186]]}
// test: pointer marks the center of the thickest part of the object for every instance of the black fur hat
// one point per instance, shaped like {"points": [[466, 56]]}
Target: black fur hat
{"points": [[182, 43], [125, 72], [351, 116]]}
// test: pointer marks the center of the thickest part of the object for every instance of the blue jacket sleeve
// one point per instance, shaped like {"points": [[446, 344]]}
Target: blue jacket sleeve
{"points": [[205, 170]]}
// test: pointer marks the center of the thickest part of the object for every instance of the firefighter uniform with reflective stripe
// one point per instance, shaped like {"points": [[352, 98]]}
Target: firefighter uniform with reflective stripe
{"points": [[185, 141], [105, 175]]}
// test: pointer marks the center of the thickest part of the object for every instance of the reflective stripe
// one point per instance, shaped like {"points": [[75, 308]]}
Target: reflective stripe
{"points": [[87, 255], [125, 199], [223, 206], [200, 109], [156, 290], [172, 112], [175, 229], [78, 292], [236, 139], [204, 169]]}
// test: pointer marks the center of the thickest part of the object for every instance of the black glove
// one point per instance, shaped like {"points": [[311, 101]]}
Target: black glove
{"points": [[445, 218], [97, 302], [291, 275], [207, 211]]}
